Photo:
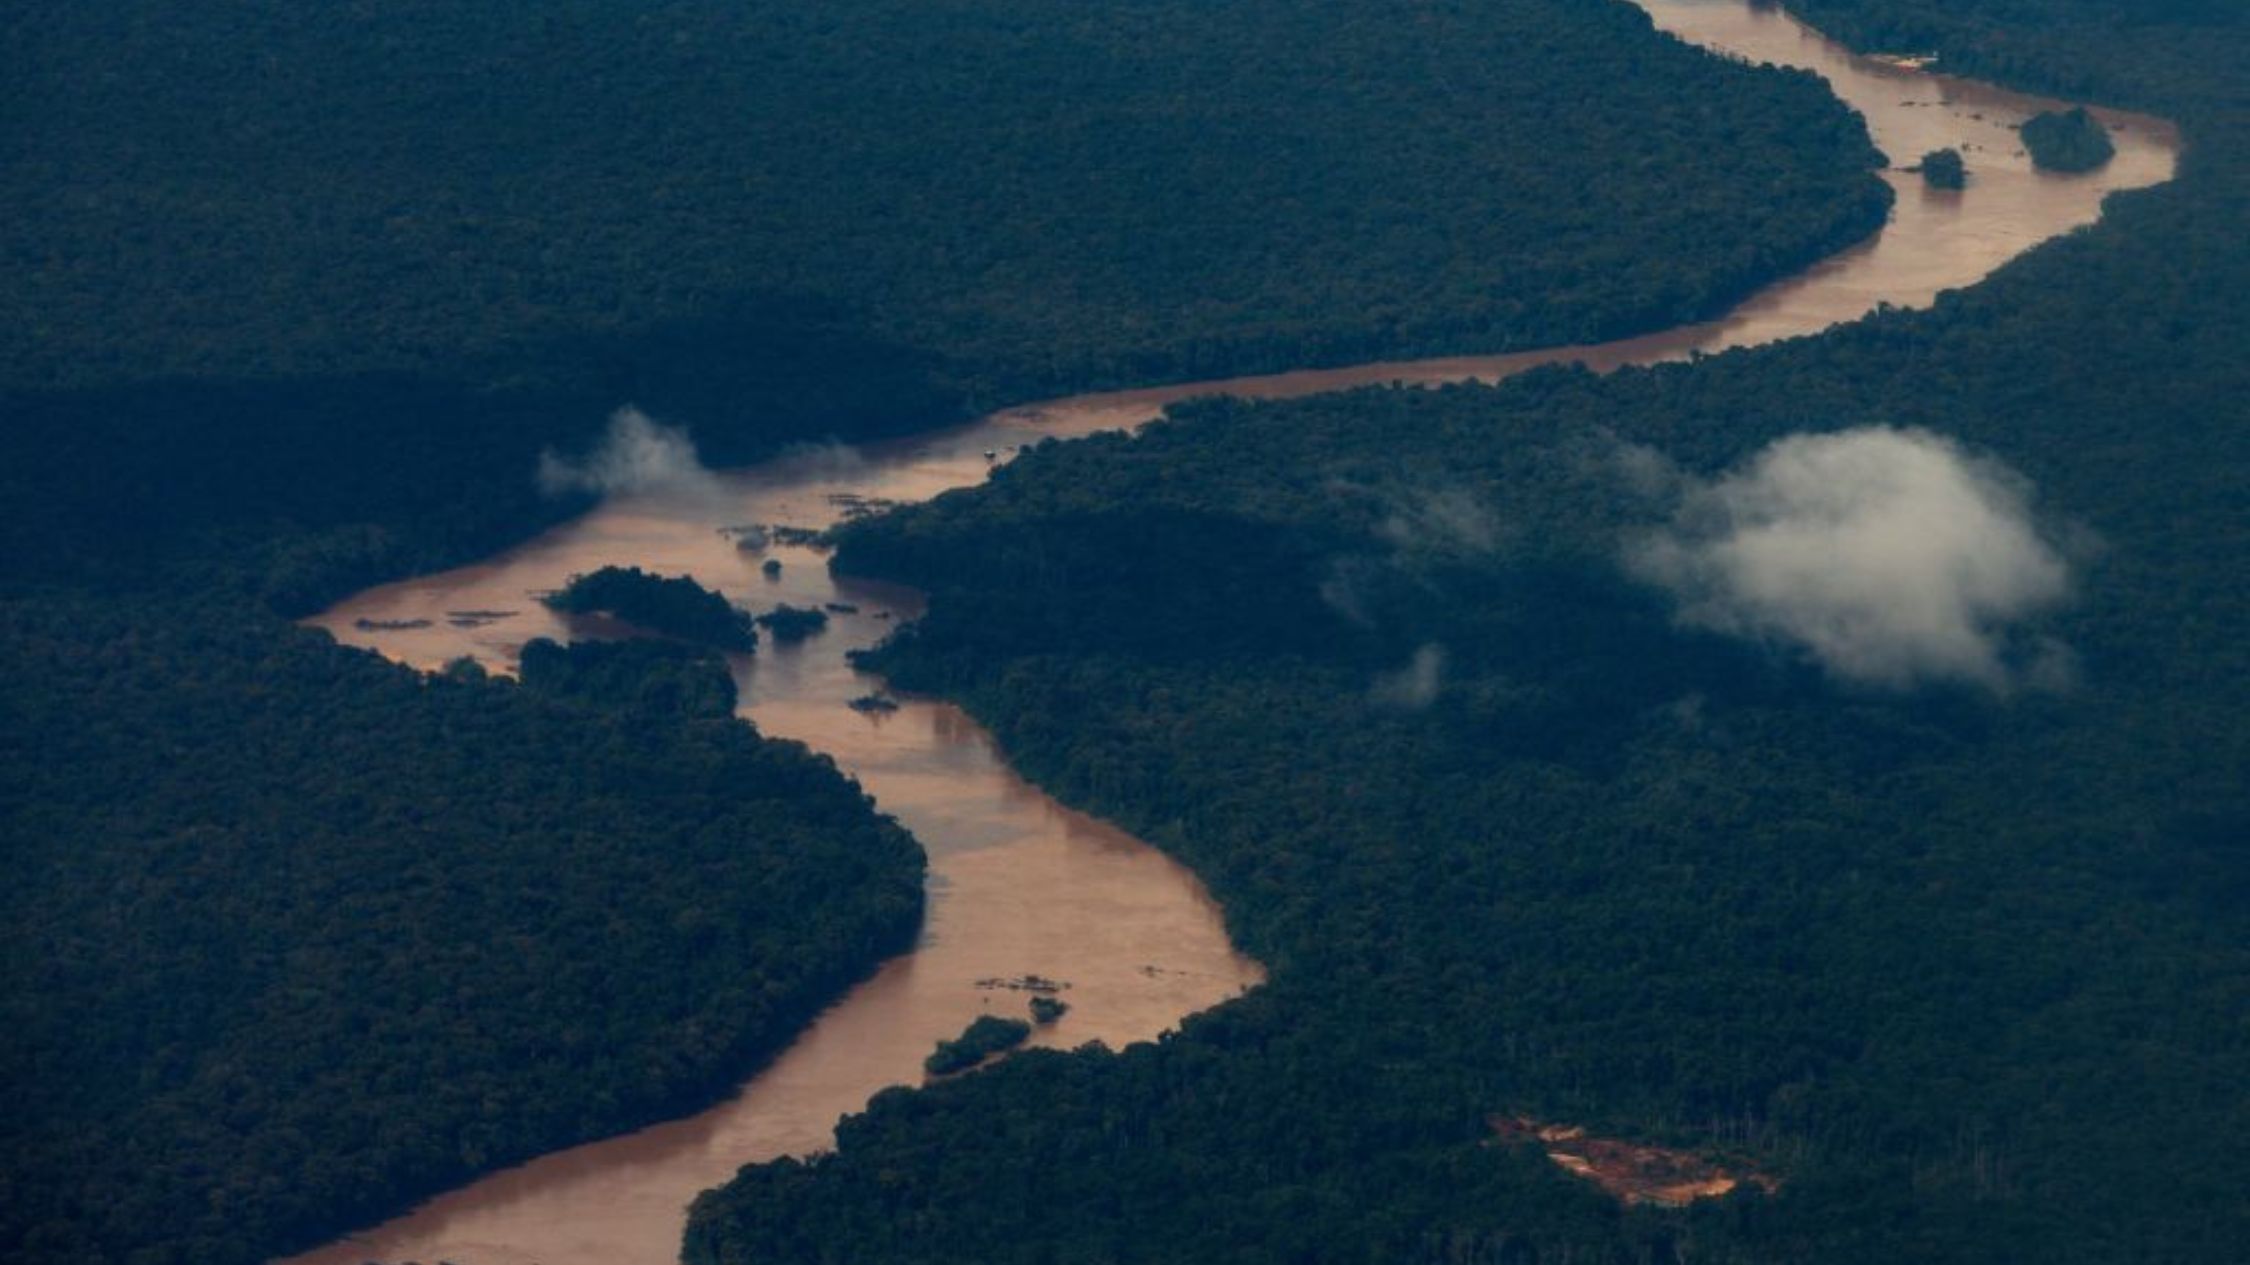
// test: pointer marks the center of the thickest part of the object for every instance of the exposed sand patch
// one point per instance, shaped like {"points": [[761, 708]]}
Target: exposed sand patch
{"points": [[1629, 1172]]}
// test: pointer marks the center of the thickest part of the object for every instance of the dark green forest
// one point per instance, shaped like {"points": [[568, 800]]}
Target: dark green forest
{"points": [[1967, 969], [294, 934], [300, 295], [1047, 195], [661, 678]]}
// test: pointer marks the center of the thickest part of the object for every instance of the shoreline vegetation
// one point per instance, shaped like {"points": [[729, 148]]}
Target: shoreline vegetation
{"points": [[986, 1036], [657, 678]]}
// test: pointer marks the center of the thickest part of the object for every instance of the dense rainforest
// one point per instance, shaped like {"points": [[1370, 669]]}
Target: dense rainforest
{"points": [[305, 298], [294, 932], [666, 678], [1048, 195], [1446, 695]]}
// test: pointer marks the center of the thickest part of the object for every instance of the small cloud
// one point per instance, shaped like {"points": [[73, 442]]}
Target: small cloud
{"points": [[1891, 556], [1450, 520], [1345, 589], [637, 455], [1422, 528], [1416, 685], [1646, 471]]}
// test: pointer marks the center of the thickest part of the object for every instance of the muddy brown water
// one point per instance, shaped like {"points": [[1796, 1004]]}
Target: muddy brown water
{"points": [[1018, 883]]}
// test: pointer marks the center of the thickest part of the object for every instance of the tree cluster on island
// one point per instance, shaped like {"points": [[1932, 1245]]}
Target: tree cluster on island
{"points": [[664, 678], [788, 623], [1943, 169], [674, 606], [2068, 140]]}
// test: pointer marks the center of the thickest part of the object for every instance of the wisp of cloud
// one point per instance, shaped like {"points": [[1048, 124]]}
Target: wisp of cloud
{"points": [[636, 455], [1443, 519], [1891, 556], [1414, 686]]}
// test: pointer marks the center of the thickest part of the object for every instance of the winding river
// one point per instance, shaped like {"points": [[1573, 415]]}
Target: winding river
{"points": [[1020, 885]]}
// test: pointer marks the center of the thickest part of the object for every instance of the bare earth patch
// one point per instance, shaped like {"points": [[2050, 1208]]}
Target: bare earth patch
{"points": [[1629, 1172]]}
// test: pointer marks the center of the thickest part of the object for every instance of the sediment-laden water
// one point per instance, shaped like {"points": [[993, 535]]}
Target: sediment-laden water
{"points": [[1020, 885]]}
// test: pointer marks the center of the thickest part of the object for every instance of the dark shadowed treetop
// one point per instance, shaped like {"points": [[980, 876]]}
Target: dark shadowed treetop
{"points": [[1943, 169], [661, 678]]}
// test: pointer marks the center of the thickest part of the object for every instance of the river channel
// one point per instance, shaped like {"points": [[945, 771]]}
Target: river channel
{"points": [[1020, 885]]}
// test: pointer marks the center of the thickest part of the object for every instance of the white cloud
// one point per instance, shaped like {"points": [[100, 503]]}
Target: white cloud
{"points": [[1891, 556], [636, 455], [1416, 685]]}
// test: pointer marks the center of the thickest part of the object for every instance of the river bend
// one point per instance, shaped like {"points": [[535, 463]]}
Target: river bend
{"points": [[1019, 884]]}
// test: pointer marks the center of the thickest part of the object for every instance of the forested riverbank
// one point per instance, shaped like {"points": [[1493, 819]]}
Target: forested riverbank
{"points": [[1048, 198], [298, 933], [907, 215], [303, 297], [1952, 943]]}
